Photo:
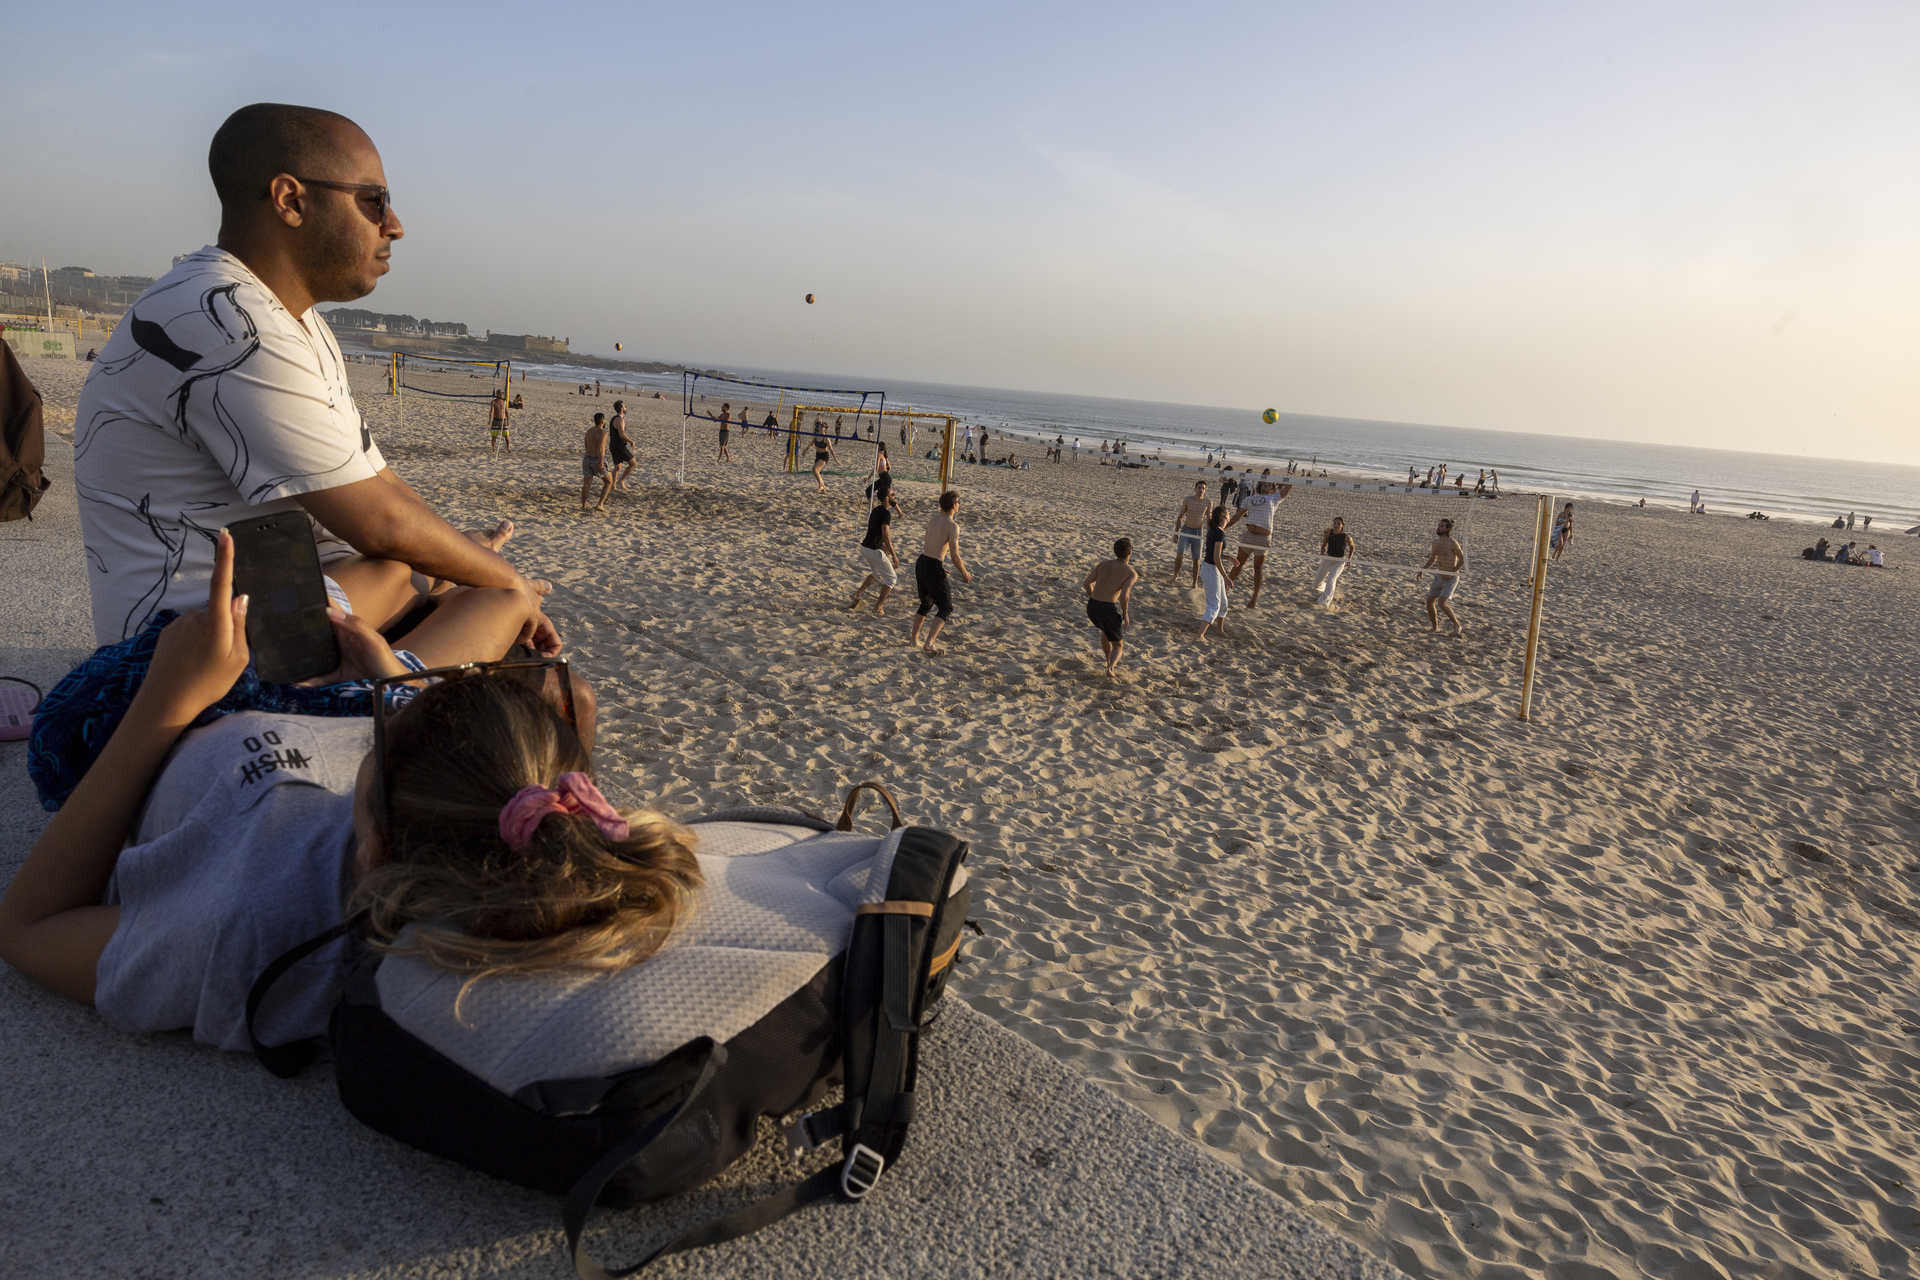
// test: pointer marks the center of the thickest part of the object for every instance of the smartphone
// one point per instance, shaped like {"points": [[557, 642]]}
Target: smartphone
{"points": [[276, 563]]}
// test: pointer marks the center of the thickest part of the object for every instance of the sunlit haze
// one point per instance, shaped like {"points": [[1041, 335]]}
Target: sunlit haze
{"points": [[1686, 224]]}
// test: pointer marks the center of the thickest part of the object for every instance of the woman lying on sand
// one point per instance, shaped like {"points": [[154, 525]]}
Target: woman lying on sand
{"points": [[477, 823]]}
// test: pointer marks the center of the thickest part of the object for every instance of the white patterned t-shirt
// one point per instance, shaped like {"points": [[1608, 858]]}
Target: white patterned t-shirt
{"points": [[210, 403]]}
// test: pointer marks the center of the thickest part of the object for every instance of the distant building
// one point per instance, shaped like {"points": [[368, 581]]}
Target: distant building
{"points": [[533, 344]]}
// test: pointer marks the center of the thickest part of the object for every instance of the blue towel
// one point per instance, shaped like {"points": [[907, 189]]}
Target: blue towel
{"points": [[75, 720]]}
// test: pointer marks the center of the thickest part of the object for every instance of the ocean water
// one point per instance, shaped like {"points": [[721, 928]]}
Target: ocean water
{"points": [[1814, 489]]}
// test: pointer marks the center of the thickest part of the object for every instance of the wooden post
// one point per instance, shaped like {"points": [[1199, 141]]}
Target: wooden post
{"points": [[946, 457], [1543, 523]]}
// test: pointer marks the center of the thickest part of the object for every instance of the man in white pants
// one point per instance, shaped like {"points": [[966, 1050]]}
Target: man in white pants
{"points": [[1336, 550]]}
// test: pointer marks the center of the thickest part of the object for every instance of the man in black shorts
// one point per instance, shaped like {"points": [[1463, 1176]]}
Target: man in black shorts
{"points": [[930, 570], [1109, 600]]}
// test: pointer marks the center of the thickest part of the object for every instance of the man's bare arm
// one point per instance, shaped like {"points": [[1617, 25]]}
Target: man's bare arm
{"points": [[383, 517], [953, 548]]}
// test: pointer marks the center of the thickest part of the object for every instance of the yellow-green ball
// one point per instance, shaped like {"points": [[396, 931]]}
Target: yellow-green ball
{"points": [[1270, 417]]}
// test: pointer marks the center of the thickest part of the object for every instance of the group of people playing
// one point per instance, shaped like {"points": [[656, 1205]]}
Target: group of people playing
{"points": [[1486, 484]]}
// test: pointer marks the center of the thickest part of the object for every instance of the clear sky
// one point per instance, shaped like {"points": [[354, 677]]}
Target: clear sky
{"points": [[1690, 223]]}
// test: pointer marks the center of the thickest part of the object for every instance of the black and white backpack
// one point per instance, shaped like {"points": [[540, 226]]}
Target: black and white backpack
{"points": [[815, 958]]}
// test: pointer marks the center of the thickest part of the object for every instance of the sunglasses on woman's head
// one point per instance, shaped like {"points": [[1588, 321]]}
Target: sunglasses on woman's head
{"points": [[386, 706]]}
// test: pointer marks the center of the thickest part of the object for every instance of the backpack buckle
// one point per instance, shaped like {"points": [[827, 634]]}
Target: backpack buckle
{"points": [[861, 1171]]}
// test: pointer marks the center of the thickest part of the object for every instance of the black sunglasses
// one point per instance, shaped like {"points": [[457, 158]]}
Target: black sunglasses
{"points": [[382, 710], [382, 198]]}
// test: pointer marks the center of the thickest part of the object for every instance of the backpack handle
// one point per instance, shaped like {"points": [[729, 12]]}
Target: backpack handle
{"points": [[853, 795]]}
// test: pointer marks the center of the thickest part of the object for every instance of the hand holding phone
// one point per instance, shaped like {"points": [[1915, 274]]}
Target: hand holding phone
{"points": [[276, 564]]}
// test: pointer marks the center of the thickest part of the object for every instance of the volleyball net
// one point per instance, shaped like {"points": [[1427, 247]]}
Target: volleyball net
{"points": [[448, 377]]}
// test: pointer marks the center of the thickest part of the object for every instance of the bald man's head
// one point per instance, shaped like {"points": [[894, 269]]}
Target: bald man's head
{"points": [[303, 199], [270, 138]]}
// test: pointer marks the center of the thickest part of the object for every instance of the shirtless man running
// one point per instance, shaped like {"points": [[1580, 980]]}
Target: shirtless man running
{"points": [[930, 570], [1257, 511], [1109, 600], [1449, 559], [1189, 528]]}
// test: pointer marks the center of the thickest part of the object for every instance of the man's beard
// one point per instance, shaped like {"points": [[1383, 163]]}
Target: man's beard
{"points": [[337, 263]]}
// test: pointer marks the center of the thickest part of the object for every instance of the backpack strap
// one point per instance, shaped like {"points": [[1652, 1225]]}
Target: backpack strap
{"points": [[853, 795], [290, 1059]]}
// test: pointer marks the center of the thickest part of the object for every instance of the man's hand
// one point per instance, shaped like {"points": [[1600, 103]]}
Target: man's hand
{"points": [[200, 654], [540, 635], [966, 577]]}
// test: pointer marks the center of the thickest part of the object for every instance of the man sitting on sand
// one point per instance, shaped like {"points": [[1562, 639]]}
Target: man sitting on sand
{"points": [[1109, 599], [1189, 529], [878, 554], [930, 570], [593, 463], [1449, 560], [223, 395]]}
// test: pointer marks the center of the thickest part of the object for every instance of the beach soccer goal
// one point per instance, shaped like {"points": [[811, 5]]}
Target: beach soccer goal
{"points": [[1393, 526], [742, 407], [447, 377], [919, 442]]}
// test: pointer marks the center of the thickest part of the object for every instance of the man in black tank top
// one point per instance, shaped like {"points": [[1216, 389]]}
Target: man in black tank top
{"points": [[1336, 552]]}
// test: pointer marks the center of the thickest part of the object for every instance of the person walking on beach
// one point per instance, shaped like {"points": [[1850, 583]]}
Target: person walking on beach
{"points": [[877, 553], [1258, 511], [1562, 532], [1109, 600], [822, 451], [1213, 574], [619, 448], [966, 444], [1693, 504], [1336, 552], [930, 570], [593, 463], [1189, 532], [498, 423], [726, 414], [1448, 559]]}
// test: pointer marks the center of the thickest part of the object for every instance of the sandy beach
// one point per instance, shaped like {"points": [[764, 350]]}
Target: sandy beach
{"points": [[1624, 991]]}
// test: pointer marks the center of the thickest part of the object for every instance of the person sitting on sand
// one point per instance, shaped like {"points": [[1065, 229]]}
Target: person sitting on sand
{"points": [[238, 404], [1109, 589], [877, 553], [1818, 551], [1336, 553], [1875, 558], [190, 860], [519, 402], [619, 447], [930, 570], [1213, 574], [1449, 560], [593, 463], [1844, 555], [1189, 530]]}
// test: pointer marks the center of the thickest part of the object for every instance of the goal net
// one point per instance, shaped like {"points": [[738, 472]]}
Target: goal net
{"points": [[1392, 528], [447, 377], [765, 419]]}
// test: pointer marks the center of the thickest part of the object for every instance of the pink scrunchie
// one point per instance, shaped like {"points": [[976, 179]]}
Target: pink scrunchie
{"points": [[575, 793]]}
